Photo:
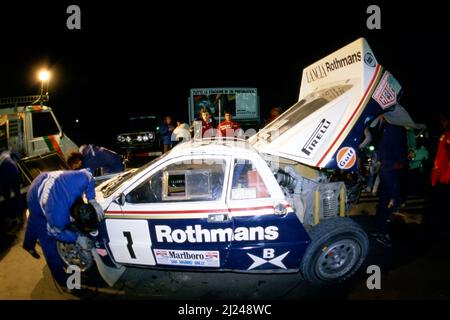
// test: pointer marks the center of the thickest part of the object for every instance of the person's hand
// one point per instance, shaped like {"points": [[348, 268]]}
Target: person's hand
{"points": [[391, 203], [83, 242]]}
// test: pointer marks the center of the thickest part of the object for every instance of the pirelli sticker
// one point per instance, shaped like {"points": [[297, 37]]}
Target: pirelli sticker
{"points": [[387, 90]]}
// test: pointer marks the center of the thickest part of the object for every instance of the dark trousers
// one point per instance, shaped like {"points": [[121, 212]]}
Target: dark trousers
{"points": [[37, 229], [389, 189], [436, 215], [11, 214]]}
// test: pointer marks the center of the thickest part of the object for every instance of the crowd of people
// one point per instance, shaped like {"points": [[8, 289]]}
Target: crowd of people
{"points": [[400, 166], [205, 126]]}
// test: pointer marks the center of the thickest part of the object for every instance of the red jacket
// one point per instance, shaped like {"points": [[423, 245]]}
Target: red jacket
{"points": [[228, 125], [441, 170], [207, 126]]}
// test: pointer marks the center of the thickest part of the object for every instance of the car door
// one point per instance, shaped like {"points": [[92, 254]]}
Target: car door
{"points": [[267, 232], [44, 135], [176, 216]]}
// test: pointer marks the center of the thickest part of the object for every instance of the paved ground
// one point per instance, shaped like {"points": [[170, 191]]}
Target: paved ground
{"points": [[416, 267]]}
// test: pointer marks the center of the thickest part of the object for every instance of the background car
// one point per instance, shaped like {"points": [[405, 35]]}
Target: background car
{"points": [[140, 139]]}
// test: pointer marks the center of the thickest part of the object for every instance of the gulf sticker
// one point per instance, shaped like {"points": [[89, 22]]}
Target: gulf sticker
{"points": [[346, 158]]}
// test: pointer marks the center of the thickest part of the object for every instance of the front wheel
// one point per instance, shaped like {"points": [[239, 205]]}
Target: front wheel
{"points": [[338, 248], [72, 254]]}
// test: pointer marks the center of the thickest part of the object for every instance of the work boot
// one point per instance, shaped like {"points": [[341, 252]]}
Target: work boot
{"points": [[384, 239]]}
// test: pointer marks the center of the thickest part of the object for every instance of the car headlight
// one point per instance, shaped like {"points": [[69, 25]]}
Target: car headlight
{"points": [[120, 138], [145, 138], [139, 138], [128, 139], [150, 135]]}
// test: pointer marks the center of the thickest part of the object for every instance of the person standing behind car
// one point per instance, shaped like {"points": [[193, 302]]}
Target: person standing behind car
{"points": [[208, 124], [392, 155], [438, 217], [96, 158], [166, 130], [228, 127], [50, 198], [441, 170], [180, 133], [417, 164], [275, 112], [11, 207]]}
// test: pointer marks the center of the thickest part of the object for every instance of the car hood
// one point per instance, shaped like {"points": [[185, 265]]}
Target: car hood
{"points": [[339, 96]]}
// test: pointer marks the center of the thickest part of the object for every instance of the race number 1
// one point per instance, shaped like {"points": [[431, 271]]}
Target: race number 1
{"points": [[127, 234], [129, 241]]}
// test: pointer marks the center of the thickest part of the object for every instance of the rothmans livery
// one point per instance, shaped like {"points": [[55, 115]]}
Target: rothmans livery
{"points": [[260, 205], [195, 234], [339, 95]]}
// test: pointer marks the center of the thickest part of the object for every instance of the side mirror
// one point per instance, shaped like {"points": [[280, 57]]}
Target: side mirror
{"points": [[280, 209], [120, 200]]}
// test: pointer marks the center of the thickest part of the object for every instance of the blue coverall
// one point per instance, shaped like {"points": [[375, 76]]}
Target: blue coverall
{"points": [[166, 134], [99, 157], [9, 181], [392, 153], [50, 198]]}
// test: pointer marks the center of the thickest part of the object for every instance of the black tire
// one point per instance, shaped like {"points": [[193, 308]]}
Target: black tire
{"points": [[72, 254], [338, 248]]}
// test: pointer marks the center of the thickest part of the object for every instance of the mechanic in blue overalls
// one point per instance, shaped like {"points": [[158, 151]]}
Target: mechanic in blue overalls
{"points": [[393, 157], [95, 157], [11, 206], [50, 199]]}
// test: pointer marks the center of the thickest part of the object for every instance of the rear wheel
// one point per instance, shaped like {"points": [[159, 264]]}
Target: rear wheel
{"points": [[338, 248]]}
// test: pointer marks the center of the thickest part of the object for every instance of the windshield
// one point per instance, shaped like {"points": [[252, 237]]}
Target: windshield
{"points": [[115, 183], [148, 123], [304, 108]]}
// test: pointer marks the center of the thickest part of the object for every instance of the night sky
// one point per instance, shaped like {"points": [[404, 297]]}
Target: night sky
{"points": [[129, 58]]}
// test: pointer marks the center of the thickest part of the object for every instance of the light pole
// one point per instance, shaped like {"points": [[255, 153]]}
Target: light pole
{"points": [[44, 75]]}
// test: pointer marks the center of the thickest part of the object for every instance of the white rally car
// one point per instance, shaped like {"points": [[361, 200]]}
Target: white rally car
{"points": [[274, 203]]}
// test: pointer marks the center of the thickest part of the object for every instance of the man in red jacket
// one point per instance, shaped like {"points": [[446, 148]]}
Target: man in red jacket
{"points": [[228, 127], [441, 169], [437, 218]]}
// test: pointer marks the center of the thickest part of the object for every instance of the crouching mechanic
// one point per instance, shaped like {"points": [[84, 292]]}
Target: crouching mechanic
{"points": [[50, 199]]}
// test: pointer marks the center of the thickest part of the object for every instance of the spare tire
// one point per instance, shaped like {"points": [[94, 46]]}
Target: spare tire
{"points": [[338, 248]]}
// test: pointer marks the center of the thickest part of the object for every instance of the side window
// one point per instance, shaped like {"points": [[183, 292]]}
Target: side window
{"points": [[196, 180], [44, 124], [247, 183]]}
